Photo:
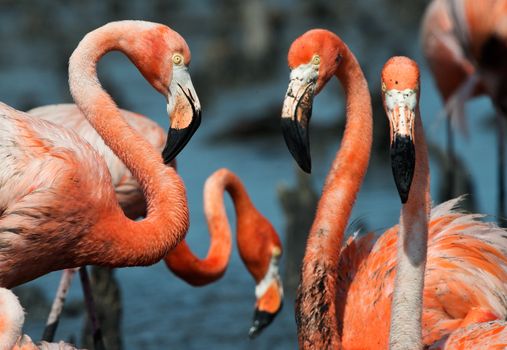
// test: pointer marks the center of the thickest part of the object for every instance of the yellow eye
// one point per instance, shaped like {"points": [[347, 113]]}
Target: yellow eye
{"points": [[384, 89], [177, 59], [276, 251], [316, 59]]}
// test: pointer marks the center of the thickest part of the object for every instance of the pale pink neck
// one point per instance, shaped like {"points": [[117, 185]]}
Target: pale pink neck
{"points": [[197, 271], [167, 219], [317, 323], [406, 307]]}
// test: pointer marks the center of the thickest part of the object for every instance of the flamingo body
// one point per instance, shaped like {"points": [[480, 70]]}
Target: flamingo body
{"points": [[59, 208]]}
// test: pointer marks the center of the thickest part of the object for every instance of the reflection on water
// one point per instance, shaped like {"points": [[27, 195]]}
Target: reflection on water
{"points": [[234, 82]]}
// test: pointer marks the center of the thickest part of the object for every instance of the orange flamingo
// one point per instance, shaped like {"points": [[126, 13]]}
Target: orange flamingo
{"points": [[400, 87], [346, 292], [258, 245], [60, 209], [464, 41]]}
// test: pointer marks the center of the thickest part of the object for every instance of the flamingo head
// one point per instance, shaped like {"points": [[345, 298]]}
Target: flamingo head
{"points": [[400, 95], [313, 59], [269, 294], [260, 249], [163, 57]]}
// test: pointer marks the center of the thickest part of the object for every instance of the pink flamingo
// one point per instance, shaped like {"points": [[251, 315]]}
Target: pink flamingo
{"points": [[400, 87], [346, 290], [60, 209], [464, 42]]}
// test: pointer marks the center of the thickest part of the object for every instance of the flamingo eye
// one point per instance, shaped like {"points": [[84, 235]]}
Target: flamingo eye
{"points": [[316, 60], [276, 251], [177, 59]]}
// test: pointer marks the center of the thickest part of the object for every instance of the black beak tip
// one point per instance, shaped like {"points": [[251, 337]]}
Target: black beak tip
{"points": [[403, 196], [297, 140], [307, 166], [261, 320], [305, 163], [403, 165], [177, 139]]}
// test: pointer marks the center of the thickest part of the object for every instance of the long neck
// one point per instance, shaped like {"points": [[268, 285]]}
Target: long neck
{"points": [[145, 241], [315, 307], [406, 307], [198, 271]]}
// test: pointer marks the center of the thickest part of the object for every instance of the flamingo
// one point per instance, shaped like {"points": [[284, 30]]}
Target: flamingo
{"points": [[400, 93], [454, 74], [258, 245], [59, 208], [346, 289], [463, 41], [12, 319]]}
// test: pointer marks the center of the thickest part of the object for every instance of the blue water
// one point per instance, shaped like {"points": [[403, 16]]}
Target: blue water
{"points": [[160, 311]]}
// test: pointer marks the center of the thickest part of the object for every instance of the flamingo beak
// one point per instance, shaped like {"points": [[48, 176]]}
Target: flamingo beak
{"points": [[400, 108], [267, 307], [296, 114], [184, 110]]}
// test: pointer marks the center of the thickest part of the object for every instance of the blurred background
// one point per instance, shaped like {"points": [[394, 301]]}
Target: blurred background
{"points": [[239, 70]]}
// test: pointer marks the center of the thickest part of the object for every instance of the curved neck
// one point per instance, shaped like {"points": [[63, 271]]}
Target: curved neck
{"points": [[406, 307], [182, 262], [317, 323], [167, 219]]}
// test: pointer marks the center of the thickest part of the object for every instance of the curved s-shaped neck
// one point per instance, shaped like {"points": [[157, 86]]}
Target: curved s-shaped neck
{"points": [[316, 317], [145, 241]]}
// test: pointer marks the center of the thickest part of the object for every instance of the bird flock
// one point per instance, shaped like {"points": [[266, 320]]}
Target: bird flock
{"points": [[91, 184]]}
